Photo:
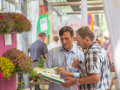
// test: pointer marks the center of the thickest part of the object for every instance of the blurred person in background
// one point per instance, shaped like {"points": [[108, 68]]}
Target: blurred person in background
{"points": [[99, 41], [105, 43], [54, 43]]}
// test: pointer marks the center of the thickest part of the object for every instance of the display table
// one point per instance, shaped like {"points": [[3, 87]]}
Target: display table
{"points": [[43, 85]]}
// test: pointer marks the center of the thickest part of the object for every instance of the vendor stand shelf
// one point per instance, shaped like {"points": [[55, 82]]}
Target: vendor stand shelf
{"points": [[43, 85]]}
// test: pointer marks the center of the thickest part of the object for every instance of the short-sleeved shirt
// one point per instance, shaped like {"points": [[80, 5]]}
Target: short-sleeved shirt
{"points": [[95, 62], [61, 58], [37, 49]]}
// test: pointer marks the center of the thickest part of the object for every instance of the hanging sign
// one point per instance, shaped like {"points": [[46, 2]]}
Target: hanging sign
{"points": [[43, 25], [90, 21], [8, 40]]}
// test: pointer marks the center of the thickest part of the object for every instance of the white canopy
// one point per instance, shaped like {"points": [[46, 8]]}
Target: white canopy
{"points": [[75, 22]]}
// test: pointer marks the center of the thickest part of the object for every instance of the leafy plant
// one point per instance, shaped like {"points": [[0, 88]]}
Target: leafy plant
{"points": [[21, 23], [23, 63], [33, 74], [20, 85], [40, 64], [7, 67], [6, 23]]}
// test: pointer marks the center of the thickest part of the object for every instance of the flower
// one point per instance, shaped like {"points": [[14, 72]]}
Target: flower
{"points": [[23, 63], [7, 67], [0, 16], [20, 21], [5, 23]]}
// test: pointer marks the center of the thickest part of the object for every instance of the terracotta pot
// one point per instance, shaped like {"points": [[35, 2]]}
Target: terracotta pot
{"points": [[34, 80]]}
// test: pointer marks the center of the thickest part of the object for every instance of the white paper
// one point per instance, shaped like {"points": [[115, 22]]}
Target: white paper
{"points": [[43, 24], [8, 40]]}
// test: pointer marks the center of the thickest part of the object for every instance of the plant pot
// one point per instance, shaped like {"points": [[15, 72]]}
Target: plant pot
{"points": [[34, 80]]}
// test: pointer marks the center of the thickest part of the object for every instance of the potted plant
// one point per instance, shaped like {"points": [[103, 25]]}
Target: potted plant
{"points": [[33, 74], [6, 23], [21, 23], [20, 85], [40, 64], [23, 63]]}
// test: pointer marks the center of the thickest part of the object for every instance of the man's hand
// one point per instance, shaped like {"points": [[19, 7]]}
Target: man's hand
{"points": [[75, 64], [62, 71], [69, 83]]}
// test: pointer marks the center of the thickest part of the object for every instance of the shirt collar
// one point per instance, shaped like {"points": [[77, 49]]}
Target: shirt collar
{"points": [[72, 50], [90, 46]]}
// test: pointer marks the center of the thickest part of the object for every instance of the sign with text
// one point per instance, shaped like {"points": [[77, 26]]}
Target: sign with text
{"points": [[43, 25], [8, 40]]}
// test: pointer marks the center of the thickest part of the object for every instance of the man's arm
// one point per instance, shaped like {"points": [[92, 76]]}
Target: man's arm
{"points": [[90, 79], [67, 74]]}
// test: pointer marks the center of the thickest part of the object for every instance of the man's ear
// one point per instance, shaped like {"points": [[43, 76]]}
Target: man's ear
{"points": [[87, 39], [73, 37]]}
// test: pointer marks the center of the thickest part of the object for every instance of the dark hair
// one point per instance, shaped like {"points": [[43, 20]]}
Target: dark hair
{"points": [[66, 29], [85, 31], [55, 38], [42, 34]]}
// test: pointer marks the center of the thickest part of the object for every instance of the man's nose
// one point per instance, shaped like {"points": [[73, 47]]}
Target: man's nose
{"points": [[64, 41]]}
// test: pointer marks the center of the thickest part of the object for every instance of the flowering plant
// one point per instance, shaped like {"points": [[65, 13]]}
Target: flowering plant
{"points": [[1, 73], [21, 23], [23, 63], [20, 85], [6, 23], [7, 67]]}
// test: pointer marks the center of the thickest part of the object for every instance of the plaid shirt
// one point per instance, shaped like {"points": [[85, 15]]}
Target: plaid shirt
{"points": [[95, 62]]}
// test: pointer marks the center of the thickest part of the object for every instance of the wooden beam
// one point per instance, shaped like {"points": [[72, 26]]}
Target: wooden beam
{"points": [[78, 3]]}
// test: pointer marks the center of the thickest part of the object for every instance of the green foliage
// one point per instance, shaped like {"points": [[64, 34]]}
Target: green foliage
{"points": [[40, 64], [33, 74]]}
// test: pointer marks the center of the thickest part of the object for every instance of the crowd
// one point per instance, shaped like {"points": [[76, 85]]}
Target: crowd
{"points": [[93, 59]]}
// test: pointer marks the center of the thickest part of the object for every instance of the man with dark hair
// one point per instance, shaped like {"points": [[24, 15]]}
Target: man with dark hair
{"points": [[94, 69], [54, 43], [63, 57]]}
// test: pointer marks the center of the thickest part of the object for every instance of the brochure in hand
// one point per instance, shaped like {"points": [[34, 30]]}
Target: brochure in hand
{"points": [[49, 74]]}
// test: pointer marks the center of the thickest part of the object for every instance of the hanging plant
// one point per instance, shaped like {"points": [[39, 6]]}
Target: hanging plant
{"points": [[6, 23], [23, 63], [21, 23]]}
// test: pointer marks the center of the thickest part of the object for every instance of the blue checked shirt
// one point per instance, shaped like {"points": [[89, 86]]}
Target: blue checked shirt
{"points": [[95, 62], [61, 58]]}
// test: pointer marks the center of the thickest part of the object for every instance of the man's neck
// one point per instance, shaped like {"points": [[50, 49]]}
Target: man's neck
{"points": [[69, 49]]}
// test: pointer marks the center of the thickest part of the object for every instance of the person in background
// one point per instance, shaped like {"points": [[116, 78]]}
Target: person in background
{"points": [[38, 48], [54, 43], [99, 41], [63, 57], [112, 68], [94, 69], [105, 43]]}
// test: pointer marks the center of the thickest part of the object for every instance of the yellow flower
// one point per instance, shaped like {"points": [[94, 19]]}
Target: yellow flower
{"points": [[7, 67]]}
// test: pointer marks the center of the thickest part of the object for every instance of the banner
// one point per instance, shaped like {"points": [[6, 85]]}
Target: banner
{"points": [[84, 12], [112, 12], [42, 9], [43, 25], [90, 21]]}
